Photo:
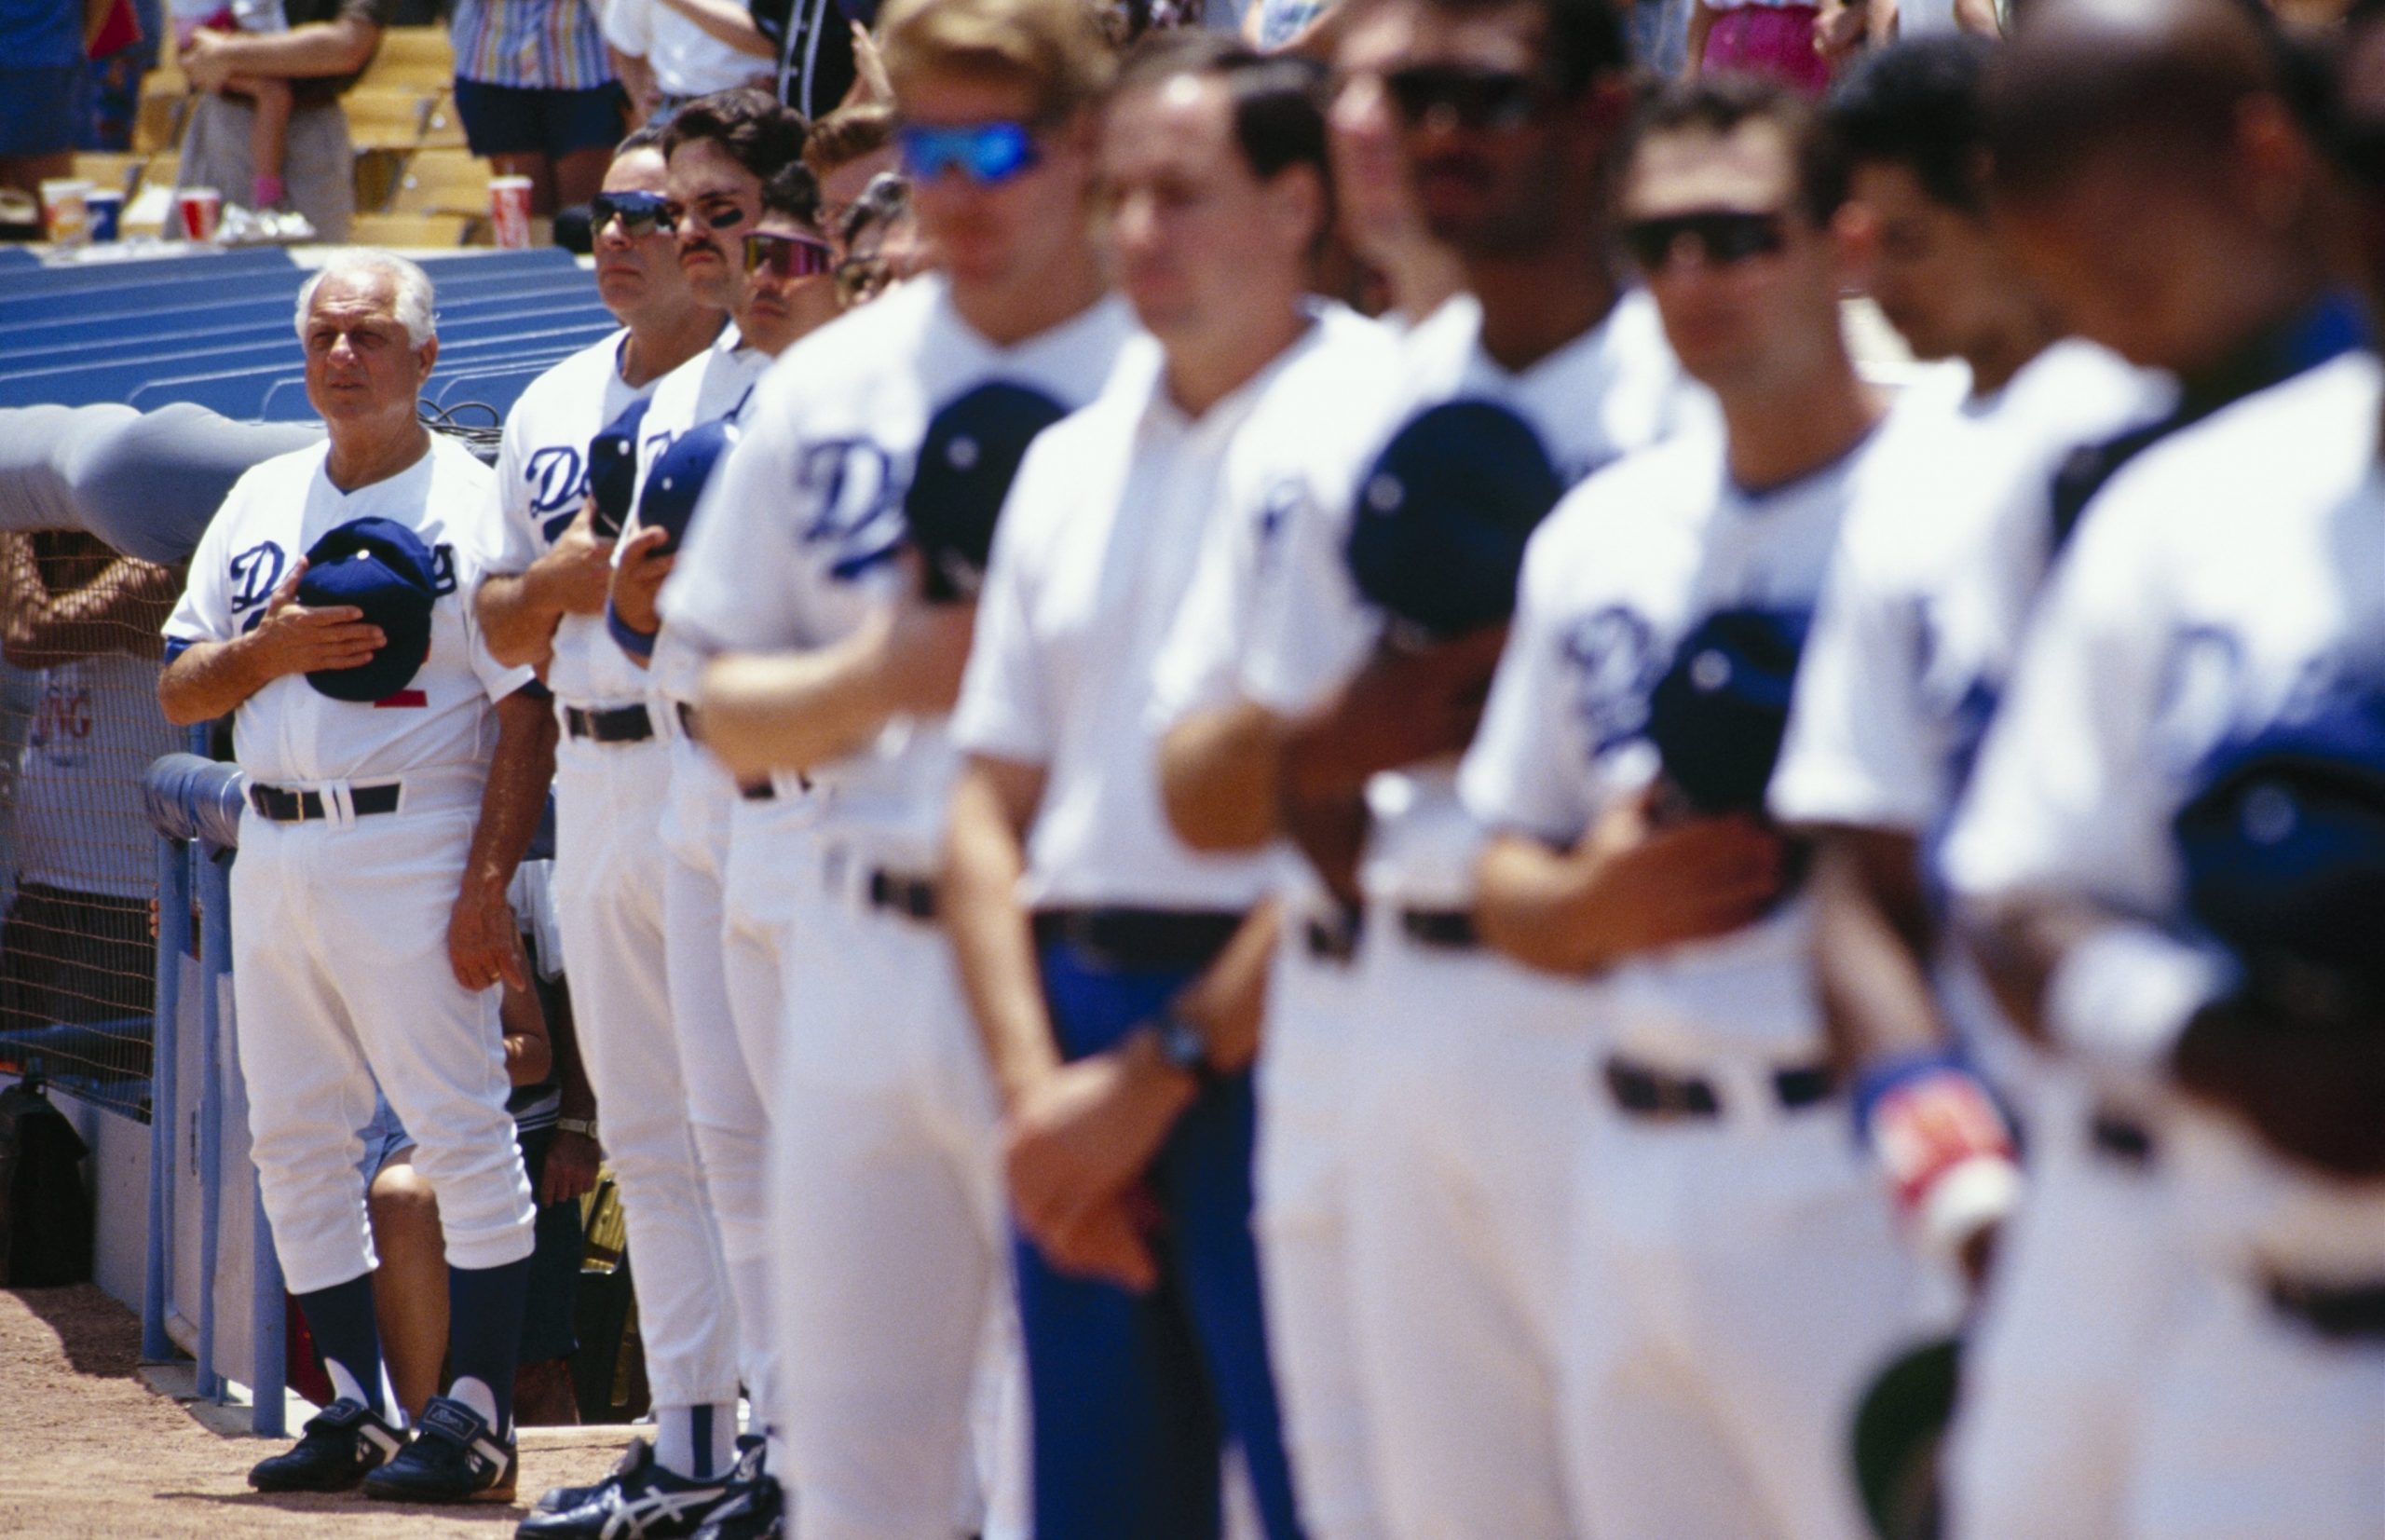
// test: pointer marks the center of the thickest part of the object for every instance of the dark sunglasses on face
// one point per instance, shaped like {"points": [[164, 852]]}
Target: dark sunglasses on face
{"points": [[1463, 96], [787, 256], [1723, 238], [641, 214], [987, 154]]}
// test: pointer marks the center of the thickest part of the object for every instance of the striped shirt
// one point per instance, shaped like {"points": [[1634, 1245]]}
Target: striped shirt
{"points": [[550, 45]]}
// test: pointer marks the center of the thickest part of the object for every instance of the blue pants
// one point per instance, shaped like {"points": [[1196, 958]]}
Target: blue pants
{"points": [[1132, 1395]]}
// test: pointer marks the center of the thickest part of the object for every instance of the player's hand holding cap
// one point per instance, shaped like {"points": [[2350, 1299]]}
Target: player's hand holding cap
{"points": [[677, 481], [967, 461], [612, 468], [1718, 715], [382, 569], [1443, 516]]}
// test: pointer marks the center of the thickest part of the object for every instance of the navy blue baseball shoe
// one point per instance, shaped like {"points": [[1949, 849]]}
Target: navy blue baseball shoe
{"points": [[455, 1457], [339, 1446], [756, 1511], [641, 1497]]}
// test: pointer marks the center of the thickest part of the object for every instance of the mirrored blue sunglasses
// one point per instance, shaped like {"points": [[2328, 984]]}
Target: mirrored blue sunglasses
{"points": [[987, 154]]}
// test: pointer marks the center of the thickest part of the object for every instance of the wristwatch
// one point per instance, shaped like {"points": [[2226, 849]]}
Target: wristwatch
{"points": [[585, 1127], [1182, 1046]]}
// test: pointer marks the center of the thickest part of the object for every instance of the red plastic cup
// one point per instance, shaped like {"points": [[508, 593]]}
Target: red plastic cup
{"points": [[509, 210], [196, 210]]}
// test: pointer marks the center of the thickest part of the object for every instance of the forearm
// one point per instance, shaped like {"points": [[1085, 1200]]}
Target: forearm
{"points": [[1874, 945], [518, 617], [1530, 903], [312, 50], [1228, 1002], [1330, 830], [1404, 707], [120, 611], [578, 1098], [728, 24], [529, 1056], [991, 938], [520, 770], [1701, 21], [1217, 775], [210, 679], [793, 711]]}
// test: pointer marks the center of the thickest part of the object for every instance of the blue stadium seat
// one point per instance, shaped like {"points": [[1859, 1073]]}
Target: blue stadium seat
{"points": [[83, 278], [17, 258], [162, 296], [241, 393], [273, 323]]}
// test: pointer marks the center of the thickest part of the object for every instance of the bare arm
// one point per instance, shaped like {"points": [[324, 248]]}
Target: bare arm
{"points": [[985, 854], [120, 610], [210, 679], [1217, 773], [529, 1052], [518, 614], [727, 24], [1228, 1002], [483, 945], [1702, 18], [1874, 941], [791, 711], [308, 50]]}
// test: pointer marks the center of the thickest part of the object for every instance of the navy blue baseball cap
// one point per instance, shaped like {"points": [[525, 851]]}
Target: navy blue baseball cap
{"points": [[1443, 515], [2283, 849], [384, 569], [1718, 714], [679, 476], [612, 467], [967, 461]]}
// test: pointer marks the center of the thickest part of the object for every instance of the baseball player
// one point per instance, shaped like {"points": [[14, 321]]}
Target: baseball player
{"points": [[727, 853], [886, 1172], [1736, 1277], [1115, 974], [397, 774], [2218, 603], [1909, 653], [1456, 1209], [613, 775]]}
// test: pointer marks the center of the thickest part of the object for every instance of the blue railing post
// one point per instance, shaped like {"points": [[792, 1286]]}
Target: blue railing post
{"points": [[268, 1327], [215, 962], [165, 1104]]}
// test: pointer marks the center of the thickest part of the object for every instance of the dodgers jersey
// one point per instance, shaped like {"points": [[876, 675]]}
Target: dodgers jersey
{"points": [[1111, 508], [80, 821], [1624, 568], [1933, 581], [794, 543], [541, 487], [1611, 390], [2229, 578], [291, 733]]}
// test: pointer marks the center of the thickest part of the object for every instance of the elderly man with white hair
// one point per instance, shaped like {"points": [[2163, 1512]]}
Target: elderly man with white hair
{"points": [[396, 773]]}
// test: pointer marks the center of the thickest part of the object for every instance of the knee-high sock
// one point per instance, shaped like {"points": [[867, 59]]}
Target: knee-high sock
{"points": [[347, 1335], [484, 1337]]}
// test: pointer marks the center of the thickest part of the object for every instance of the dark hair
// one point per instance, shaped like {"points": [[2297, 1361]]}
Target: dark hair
{"points": [[645, 136], [1916, 104], [1719, 104], [2077, 81], [758, 131], [847, 134], [1584, 42], [2355, 134], [792, 190], [886, 200], [1277, 103]]}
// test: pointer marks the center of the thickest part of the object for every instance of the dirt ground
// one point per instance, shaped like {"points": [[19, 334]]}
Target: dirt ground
{"points": [[87, 1449]]}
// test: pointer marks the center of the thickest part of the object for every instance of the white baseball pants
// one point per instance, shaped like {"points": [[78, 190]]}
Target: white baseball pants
{"points": [[609, 876], [340, 982]]}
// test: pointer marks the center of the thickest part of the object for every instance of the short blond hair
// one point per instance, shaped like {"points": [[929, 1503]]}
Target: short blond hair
{"points": [[1055, 48]]}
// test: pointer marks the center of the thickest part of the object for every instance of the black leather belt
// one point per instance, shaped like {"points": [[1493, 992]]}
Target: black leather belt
{"points": [[2119, 1136], [620, 725], [2340, 1312], [297, 806], [1651, 1092], [1450, 928], [687, 720], [1139, 938], [911, 896], [1332, 938], [760, 791]]}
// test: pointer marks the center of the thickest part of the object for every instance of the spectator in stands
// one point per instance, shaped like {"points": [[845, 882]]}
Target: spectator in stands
{"points": [[325, 48], [537, 95], [669, 52], [846, 152], [76, 946], [43, 77], [271, 98]]}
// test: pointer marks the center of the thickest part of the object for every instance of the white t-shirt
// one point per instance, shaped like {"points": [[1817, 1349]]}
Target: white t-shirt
{"points": [[1614, 389], [2228, 577], [80, 820], [794, 543], [290, 733], [1111, 510], [687, 60], [541, 484], [1626, 565]]}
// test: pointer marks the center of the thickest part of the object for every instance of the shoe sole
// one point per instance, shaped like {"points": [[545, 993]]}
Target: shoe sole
{"points": [[502, 1493], [270, 1485]]}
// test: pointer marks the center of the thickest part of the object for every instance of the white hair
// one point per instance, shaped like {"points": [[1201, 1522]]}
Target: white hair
{"points": [[411, 283]]}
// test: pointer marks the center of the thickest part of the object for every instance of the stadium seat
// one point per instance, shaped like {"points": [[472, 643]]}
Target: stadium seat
{"points": [[273, 309], [121, 172], [399, 231], [451, 182], [132, 285], [240, 393], [458, 319], [17, 259]]}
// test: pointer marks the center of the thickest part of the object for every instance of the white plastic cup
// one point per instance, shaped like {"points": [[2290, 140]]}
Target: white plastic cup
{"points": [[509, 210]]}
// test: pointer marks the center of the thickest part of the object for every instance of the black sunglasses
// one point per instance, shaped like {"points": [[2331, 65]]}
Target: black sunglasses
{"points": [[641, 214], [1722, 236], [787, 256], [1465, 97]]}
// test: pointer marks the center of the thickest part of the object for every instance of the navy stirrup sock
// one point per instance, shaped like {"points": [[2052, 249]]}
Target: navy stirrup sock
{"points": [[484, 1338], [341, 1319]]}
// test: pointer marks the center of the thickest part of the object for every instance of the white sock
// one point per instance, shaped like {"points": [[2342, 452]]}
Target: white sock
{"points": [[473, 1393], [696, 1442]]}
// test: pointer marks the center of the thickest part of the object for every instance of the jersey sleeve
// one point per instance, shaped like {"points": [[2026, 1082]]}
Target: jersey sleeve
{"points": [[1519, 775], [495, 678], [1858, 746], [1005, 711], [204, 612], [1310, 627], [510, 532]]}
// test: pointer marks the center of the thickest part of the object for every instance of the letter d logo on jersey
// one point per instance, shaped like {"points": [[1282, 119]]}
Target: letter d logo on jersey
{"points": [[256, 572]]}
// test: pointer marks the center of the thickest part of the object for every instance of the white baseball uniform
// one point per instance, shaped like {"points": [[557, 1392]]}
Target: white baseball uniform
{"points": [[2226, 581], [340, 974], [611, 782], [1934, 579], [1303, 1166], [1457, 1212], [888, 1201], [1737, 1277]]}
